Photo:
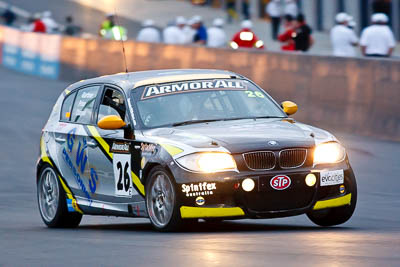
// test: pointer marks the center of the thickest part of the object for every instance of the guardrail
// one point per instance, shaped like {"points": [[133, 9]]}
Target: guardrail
{"points": [[344, 94]]}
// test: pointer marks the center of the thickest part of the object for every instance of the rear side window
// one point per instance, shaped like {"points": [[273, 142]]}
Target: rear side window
{"points": [[82, 109], [67, 106]]}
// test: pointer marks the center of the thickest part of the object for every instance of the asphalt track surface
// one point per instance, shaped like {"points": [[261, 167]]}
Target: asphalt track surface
{"points": [[370, 238]]}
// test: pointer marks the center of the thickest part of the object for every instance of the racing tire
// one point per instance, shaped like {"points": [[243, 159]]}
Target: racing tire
{"points": [[339, 215], [52, 201], [162, 201]]}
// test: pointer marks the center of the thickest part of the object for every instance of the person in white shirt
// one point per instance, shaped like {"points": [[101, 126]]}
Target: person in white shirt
{"points": [[148, 33], [343, 38], [216, 34], [291, 8], [173, 34], [378, 40], [189, 32], [274, 10], [49, 22]]}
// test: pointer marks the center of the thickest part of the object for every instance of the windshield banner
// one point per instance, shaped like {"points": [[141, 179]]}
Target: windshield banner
{"points": [[190, 86]]}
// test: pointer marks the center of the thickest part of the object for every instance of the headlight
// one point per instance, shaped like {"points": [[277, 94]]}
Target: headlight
{"points": [[331, 152], [208, 162]]}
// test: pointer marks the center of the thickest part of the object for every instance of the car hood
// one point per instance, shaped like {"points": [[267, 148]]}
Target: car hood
{"points": [[245, 135]]}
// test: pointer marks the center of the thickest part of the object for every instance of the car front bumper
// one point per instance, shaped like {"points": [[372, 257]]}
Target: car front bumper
{"points": [[221, 195]]}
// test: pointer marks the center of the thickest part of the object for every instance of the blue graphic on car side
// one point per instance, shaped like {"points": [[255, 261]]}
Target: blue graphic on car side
{"points": [[80, 160]]}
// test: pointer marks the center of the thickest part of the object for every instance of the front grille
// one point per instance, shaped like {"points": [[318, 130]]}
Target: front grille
{"points": [[292, 158], [262, 160]]}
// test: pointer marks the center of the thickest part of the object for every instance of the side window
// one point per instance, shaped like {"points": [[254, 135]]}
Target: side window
{"points": [[112, 103], [83, 106], [66, 107]]}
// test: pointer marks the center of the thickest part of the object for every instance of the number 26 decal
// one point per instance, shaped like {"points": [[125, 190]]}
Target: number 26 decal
{"points": [[122, 174], [252, 94]]}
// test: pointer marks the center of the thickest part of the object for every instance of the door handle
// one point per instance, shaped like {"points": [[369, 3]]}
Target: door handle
{"points": [[91, 143], [60, 140]]}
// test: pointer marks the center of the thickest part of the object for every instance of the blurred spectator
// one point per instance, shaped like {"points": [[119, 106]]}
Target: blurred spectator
{"points": [[302, 35], [291, 8], [343, 38], [352, 24], [173, 34], [286, 37], [378, 40], [149, 33], [231, 10], [51, 25], [246, 9], [70, 28], [200, 36], [216, 34], [106, 27], [29, 25], [38, 25], [8, 16], [274, 10], [245, 38], [189, 32]]}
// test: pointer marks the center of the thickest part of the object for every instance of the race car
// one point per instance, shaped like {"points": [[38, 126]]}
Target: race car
{"points": [[177, 146]]}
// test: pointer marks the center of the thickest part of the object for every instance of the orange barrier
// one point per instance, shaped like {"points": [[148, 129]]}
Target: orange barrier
{"points": [[1, 44], [353, 95]]}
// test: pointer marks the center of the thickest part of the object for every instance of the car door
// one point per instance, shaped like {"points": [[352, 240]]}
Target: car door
{"points": [[72, 142], [113, 154]]}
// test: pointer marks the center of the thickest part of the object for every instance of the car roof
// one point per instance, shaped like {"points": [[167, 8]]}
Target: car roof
{"points": [[132, 80]]}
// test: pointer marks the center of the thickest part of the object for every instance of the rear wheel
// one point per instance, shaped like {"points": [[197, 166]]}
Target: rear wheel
{"points": [[52, 202], [339, 215], [161, 201]]}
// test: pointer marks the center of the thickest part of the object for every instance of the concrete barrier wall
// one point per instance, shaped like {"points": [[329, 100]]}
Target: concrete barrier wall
{"points": [[354, 95], [1, 44]]}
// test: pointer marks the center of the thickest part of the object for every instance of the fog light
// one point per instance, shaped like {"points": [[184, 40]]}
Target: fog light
{"points": [[311, 179], [248, 184]]}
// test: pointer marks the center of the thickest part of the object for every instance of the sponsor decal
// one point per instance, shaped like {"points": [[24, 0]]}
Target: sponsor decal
{"points": [[200, 201], [342, 189], [199, 189], [72, 205], [188, 86], [332, 178], [78, 165], [120, 147], [147, 148], [280, 182]]}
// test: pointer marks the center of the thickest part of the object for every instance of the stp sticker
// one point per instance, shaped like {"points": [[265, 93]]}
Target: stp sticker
{"points": [[280, 182]]}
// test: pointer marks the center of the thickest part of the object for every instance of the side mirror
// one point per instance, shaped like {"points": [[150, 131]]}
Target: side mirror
{"points": [[289, 107], [111, 122]]}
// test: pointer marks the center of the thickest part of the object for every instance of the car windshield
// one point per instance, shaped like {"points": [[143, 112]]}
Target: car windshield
{"points": [[188, 102]]}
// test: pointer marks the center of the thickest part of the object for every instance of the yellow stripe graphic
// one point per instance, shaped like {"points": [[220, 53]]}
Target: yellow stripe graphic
{"points": [[136, 181], [199, 212], [332, 203], [172, 150]]}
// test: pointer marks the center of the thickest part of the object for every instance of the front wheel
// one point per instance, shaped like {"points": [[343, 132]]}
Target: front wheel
{"points": [[161, 201], [339, 215], [52, 203]]}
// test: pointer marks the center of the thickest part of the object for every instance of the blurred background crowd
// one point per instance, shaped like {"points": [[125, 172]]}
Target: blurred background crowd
{"points": [[352, 28]]}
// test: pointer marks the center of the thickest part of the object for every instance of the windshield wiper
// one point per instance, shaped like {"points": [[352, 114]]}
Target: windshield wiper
{"points": [[193, 122], [269, 117], [226, 119]]}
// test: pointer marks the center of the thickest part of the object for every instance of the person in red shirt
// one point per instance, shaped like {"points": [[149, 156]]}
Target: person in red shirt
{"points": [[38, 25], [287, 37], [245, 38]]}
